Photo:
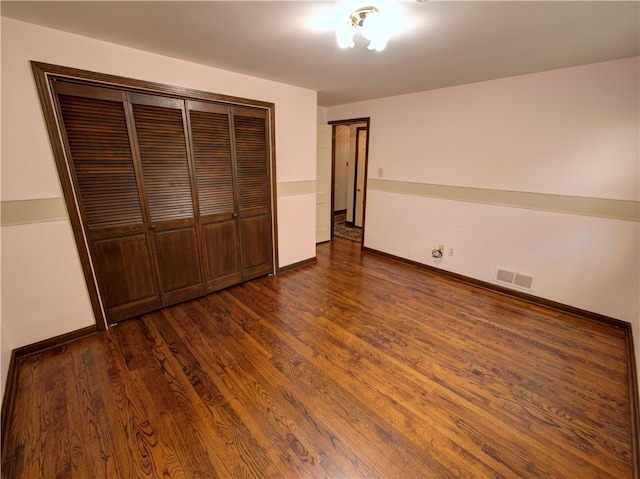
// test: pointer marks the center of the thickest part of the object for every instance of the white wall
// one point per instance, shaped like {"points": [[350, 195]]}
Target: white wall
{"points": [[572, 132], [44, 294], [6, 348], [322, 115], [635, 329]]}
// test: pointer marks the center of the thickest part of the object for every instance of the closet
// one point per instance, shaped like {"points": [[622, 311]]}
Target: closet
{"points": [[173, 193]]}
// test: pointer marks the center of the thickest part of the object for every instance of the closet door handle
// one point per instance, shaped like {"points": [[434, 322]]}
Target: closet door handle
{"points": [[235, 216], [152, 227]]}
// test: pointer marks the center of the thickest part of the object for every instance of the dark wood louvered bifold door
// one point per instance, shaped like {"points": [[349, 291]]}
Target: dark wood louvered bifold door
{"points": [[161, 138], [253, 190], [213, 163], [174, 195], [105, 179]]}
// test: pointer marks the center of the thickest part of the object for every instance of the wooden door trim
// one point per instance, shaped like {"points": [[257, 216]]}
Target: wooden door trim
{"points": [[333, 177], [271, 147], [357, 161], [334, 123], [350, 121], [45, 73]]}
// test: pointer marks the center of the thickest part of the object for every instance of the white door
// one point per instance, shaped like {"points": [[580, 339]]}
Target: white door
{"points": [[323, 184], [341, 169], [361, 163]]}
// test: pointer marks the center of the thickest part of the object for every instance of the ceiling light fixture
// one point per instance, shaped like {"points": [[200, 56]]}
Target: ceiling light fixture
{"points": [[370, 23]]}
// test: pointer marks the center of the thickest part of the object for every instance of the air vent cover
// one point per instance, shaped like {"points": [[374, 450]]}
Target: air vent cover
{"points": [[505, 276], [513, 278]]}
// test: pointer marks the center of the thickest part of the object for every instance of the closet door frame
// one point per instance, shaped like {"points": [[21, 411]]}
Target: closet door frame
{"points": [[45, 74]]}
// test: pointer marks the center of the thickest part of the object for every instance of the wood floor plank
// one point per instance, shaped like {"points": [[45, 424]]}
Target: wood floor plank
{"points": [[285, 389], [185, 420], [476, 371], [345, 367], [362, 368], [273, 415], [155, 451], [242, 452], [357, 366], [294, 364]]}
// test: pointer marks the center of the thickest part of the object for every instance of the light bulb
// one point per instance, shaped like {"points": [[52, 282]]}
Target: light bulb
{"points": [[374, 29], [372, 26], [344, 36], [378, 44]]}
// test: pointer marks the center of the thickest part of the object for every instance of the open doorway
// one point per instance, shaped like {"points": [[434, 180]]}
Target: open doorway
{"points": [[350, 142]]}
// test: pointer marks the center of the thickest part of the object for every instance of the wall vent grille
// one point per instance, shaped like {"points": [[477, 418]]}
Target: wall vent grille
{"points": [[513, 278]]}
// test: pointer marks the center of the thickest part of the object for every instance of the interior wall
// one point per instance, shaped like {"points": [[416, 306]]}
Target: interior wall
{"points": [[321, 115], [44, 293], [491, 169], [5, 357]]}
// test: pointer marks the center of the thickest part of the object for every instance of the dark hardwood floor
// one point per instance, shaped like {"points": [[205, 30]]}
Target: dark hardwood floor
{"points": [[358, 366]]}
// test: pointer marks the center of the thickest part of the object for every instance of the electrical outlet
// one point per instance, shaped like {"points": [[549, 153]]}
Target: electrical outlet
{"points": [[441, 248], [451, 251], [380, 172]]}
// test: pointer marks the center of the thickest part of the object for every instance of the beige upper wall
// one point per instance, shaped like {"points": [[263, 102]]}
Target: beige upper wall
{"points": [[35, 177], [556, 132]]}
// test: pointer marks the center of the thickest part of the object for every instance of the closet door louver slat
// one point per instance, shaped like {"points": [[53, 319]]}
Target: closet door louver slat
{"points": [[251, 153], [212, 156], [103, 163], [163, 154]]}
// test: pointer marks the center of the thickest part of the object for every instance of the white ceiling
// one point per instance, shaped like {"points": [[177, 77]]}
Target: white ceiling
{"points": [[447, 43]]}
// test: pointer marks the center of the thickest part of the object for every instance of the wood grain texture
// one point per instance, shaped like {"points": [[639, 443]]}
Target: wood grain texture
{"points": [[357, 366]]}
